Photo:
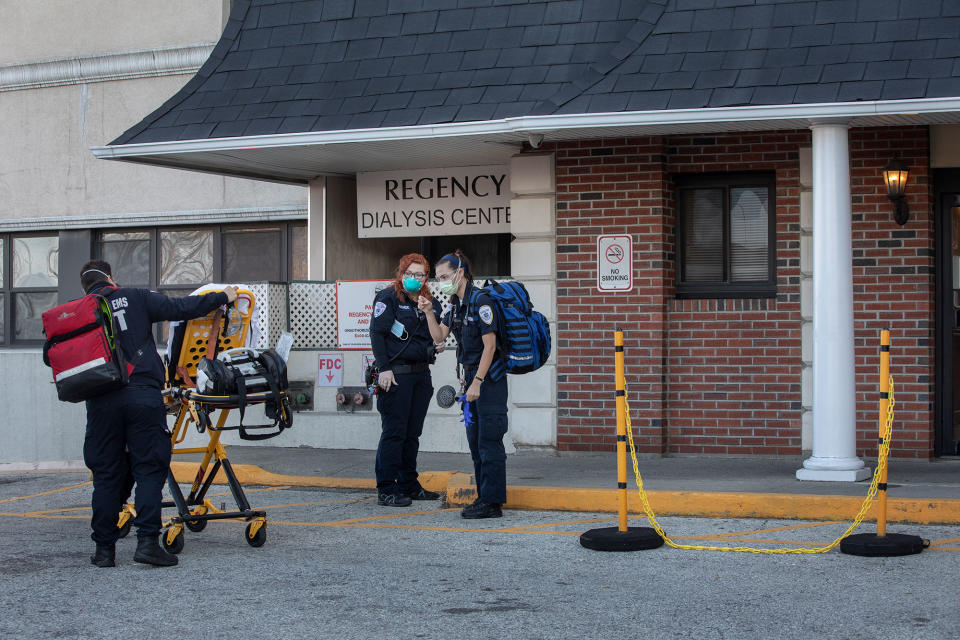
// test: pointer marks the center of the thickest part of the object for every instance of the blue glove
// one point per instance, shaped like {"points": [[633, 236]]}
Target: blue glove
{"points": [[467, 418]]}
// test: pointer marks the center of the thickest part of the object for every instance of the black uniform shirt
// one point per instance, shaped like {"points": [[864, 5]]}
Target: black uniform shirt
{"points": [[135, 311], [469, 329], [387, 309]]}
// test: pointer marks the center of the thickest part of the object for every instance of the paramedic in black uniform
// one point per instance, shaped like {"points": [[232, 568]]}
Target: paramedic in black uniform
{"points": [[127, 440], [484, 378], [404, 351]]}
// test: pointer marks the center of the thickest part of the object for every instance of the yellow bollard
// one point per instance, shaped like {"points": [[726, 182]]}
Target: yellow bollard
{"points": [[884, 409], [881, 544], [621, 430], [622, 537]]}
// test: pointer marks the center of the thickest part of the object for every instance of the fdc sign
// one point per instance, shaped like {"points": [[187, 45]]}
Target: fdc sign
{"points": [[614, 263], [329, 369]]}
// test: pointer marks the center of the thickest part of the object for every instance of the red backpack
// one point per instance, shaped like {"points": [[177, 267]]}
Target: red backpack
{"points": [[82, 350]]}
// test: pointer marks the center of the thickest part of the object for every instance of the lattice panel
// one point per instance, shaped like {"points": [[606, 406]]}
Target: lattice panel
{"points": [[313, 314], [309, 311], [270, 311]]}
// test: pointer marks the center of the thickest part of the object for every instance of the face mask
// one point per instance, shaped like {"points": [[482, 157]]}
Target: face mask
{"points": [[412, 285], [449, 287]]}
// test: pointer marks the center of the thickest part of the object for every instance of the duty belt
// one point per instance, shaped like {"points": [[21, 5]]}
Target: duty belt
{"points": [[420, 367]]}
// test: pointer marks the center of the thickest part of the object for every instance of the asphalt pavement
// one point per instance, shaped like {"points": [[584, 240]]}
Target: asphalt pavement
{"points": [[336, 565]]}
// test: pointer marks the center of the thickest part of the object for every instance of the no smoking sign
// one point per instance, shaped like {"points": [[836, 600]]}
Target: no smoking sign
{"points": [[614, 263]]}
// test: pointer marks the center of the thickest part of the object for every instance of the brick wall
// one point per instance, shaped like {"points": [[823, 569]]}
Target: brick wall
{"points": [[893, 287], [723, 376]]}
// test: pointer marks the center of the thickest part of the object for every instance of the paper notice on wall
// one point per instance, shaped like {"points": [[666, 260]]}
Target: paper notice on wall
{"points": [[355, 311]]}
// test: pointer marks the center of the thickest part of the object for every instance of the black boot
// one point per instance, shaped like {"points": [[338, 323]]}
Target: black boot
{"points": [[104, 556], [149, 551]]}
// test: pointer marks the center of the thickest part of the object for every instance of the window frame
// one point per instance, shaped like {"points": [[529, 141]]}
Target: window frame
{"points": [[286, 228], [8, 290], [725, 288]]}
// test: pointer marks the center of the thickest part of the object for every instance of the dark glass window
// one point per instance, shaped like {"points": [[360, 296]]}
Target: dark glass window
{"points": [[252, 254], [726, 236]]}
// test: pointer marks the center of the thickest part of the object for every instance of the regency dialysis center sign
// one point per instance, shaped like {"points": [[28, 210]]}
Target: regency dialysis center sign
{"points": [[433, 202]]}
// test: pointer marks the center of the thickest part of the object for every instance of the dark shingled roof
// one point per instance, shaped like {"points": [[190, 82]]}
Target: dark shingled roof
{"points": [[325, 65]]}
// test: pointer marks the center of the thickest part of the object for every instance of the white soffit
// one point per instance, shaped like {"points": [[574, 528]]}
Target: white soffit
{"points": [[301, 157]]}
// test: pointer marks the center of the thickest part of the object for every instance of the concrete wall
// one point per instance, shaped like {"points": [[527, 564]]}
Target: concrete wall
{"points": [[53, 172], [37, 431], [62, 28]]}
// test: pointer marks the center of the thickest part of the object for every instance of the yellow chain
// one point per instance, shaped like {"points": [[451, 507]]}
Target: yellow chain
{"points": [[871, 493]]}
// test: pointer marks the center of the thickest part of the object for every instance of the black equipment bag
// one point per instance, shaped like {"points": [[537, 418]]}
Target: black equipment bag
{"points": [[241, 376]]}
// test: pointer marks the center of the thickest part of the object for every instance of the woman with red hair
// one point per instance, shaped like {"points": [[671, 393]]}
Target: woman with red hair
{"points": [[404, 351]]}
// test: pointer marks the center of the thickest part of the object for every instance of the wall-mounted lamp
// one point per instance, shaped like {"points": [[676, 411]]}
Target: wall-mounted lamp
{"points": [[895, 176]]}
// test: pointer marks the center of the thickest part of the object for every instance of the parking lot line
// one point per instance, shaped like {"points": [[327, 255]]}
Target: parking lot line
{"points": [[47, 493]]}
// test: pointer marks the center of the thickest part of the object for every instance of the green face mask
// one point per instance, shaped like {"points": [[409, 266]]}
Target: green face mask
{"points": [[450, 286]]}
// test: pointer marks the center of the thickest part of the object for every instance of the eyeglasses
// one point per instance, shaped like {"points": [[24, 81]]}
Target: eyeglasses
{"points": [[411, 274]]}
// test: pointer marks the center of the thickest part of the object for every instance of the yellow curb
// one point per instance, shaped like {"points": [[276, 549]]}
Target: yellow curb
{"points": [[461, 491], [735, 505]]}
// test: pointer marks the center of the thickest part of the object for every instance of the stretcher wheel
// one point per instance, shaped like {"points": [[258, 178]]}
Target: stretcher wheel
{"points": [[174, 547], [258, 539], [196, 525], [125, 529]]}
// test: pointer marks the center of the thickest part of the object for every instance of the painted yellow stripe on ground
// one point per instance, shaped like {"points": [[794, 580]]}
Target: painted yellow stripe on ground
{"points": [[44, 512], [947, 541], [260, 490], [309, 504], [43, 517], [47, 493], [563, 524], [391, 515]]}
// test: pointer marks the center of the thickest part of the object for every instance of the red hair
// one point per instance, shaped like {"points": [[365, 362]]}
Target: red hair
{"points": [[405, 263]]}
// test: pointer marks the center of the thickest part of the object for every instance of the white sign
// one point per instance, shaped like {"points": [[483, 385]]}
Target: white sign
{"points": [[329, 369], [433, 202], [355, 310], [614, 263]]}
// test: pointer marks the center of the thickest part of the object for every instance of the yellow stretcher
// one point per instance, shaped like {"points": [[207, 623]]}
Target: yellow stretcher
{"points": [[193, 341]]}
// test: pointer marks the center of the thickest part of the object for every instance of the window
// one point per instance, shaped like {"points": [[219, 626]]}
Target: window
{"points": [[726, 236], [178, 260], [28, 277], [175, 260]]}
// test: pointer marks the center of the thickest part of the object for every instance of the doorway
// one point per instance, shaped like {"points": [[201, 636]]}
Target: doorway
{"points": [[947, 234]]}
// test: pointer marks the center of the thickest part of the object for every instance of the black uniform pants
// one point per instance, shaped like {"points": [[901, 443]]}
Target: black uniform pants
{"points": [[485, 433], [402, 411], [127, 443]]}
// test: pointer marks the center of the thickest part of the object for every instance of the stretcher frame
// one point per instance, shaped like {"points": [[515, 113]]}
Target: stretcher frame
{"points": [[191, 407]]}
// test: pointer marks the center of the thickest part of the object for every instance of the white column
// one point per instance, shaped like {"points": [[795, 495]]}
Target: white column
{"points": [[834, 396], [316, 229]]}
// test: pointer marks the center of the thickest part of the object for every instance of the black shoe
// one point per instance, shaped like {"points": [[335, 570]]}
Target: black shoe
{"points": [[149, 551], [393, 500], [104, 556], [481, 510], [423, 494]]}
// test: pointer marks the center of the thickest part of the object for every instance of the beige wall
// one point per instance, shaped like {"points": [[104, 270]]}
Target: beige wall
{"points": [[48, 169], [44, 29]]}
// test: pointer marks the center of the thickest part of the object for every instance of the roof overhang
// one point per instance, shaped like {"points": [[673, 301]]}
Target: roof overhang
{"points": [[301, 157]]}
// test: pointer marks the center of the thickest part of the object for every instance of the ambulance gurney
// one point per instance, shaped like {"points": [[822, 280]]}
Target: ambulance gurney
{"points": [[211, 372]]}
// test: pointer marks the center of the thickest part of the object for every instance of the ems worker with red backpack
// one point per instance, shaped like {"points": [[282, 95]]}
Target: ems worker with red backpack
{"points": [[127, 440]]}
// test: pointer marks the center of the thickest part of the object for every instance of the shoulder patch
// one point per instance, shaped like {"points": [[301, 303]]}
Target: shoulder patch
{"points": [[378, 309], [486, 314]]}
